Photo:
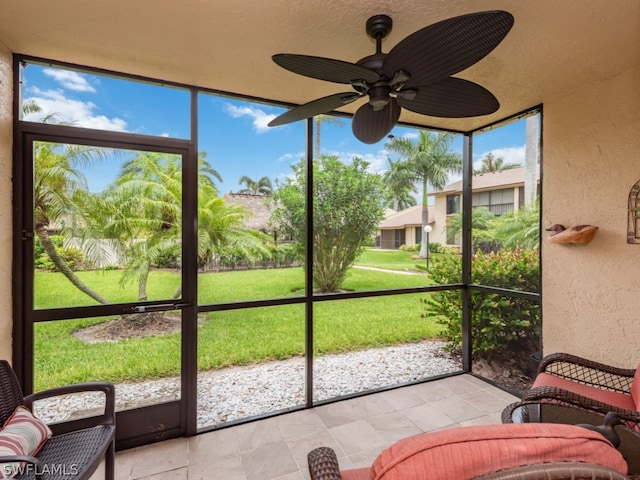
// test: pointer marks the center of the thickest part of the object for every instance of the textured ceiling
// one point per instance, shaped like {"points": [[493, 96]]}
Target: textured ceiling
{"points": [[227, 45]]}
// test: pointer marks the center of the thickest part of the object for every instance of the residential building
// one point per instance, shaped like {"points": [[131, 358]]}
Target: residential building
{"points": [[403, 227], [500, 192]]}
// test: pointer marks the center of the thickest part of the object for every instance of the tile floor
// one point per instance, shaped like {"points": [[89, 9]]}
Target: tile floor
{"points": [[356, 429]]}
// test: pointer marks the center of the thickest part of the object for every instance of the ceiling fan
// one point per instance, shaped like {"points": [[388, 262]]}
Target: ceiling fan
{"points": [[416, 74]]}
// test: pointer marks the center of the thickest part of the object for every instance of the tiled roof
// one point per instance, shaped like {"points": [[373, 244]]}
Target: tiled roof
{"points": [[407, 217], [489, 181], [258, 206]]}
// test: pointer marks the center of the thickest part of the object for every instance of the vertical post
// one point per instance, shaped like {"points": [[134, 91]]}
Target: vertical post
{"points": [[467, 174], [427, 231], [309, 268], [428, 251]]}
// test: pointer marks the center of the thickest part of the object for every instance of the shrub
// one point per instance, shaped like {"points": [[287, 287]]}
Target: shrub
{"points": [[72, 256], [169, 257], [499, 322]]}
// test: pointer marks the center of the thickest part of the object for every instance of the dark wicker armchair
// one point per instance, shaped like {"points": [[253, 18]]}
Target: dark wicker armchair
{"points": [[587, 385], [573, 390], [76, 447]]}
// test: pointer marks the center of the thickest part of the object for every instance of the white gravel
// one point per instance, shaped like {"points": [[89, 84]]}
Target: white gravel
{"points": [[241, 392]]}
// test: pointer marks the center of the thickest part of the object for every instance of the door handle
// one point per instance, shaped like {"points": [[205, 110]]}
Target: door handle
{"points": [[158, 307]]}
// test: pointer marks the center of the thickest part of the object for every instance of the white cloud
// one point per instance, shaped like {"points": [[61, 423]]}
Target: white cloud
{"points": [[377, 161], [510, 155], [81, 114], [70, 80], [259, 117]]}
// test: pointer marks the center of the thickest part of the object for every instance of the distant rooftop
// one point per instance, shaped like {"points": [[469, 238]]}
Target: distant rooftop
{"points": [[408, 217], [489, 181]]}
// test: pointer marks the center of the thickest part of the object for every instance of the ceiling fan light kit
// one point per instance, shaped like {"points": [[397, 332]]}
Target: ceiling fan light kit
{"points": [[416, 74]]}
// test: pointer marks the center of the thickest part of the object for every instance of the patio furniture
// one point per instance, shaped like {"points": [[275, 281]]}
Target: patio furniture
{"points": [[530, 411], [70, 450], [497, 452], [587, 385]]}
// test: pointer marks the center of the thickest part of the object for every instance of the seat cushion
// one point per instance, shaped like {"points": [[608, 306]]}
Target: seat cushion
{"points": [[620, 400], [466, 452], [356, 474], [22, 434], [635, 389]]}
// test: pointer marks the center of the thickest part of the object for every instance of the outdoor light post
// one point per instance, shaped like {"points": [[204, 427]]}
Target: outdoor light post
{"points": [[427, 230]]}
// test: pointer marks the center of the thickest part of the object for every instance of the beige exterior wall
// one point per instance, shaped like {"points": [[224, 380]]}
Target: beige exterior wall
{"points": [[591, 293], [6, 141], [438, 234]]}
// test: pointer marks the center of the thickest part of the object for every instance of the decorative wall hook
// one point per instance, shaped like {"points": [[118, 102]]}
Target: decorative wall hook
{"points": [[633, 231], [577, 234]]}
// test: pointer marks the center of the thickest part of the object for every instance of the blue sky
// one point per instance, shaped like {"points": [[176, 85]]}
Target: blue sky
{"points": [[234, 133]]}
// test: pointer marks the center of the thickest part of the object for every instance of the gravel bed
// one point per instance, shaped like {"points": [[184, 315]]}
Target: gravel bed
{"points": [[240, 392]]}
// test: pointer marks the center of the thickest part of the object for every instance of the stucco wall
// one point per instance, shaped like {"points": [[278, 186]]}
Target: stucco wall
{"points": [[591, 293], [6, 140]]}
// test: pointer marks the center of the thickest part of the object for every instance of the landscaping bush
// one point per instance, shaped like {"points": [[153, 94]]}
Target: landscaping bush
{"points": [[72, 256], [169, 257], [499, 323]]}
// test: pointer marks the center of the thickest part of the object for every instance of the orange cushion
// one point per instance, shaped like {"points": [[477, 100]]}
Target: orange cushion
{"points": [[635, 389], [466, 452], [356, 474], [610, 398]]}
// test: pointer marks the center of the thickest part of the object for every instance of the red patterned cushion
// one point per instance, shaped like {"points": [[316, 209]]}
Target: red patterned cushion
{"points": [[466, 452], [611, 398], [22, 434]]}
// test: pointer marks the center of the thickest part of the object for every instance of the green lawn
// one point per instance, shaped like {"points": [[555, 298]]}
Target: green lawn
{"points": [[229, 337], [393, 259]]}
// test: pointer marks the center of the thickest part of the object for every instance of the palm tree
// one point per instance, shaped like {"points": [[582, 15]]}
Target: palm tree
{"points": [[144, 212], [399, 183], [318, 121], [263, 186], [57, 188], [145, 215], [492, 164], [431, 162]]}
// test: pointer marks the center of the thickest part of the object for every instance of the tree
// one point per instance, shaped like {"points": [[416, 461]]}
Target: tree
{"points": [[399, 185], [145, 215], [520, 229], [57, 186], [144, 211], [492, 164], [347, 209], [318, 120], [262, 186], [482, 224], [430, 162]]}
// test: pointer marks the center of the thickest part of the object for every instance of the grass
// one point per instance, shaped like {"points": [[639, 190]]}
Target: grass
{"points": [[388, 259], [233, 337]]}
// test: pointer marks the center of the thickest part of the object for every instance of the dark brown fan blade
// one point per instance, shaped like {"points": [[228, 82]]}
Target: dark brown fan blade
{"points": [[371, 126], [320, 105], [326, 69], [452, 98], [447, 47]]}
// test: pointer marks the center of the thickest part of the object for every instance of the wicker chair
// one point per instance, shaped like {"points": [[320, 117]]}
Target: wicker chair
{"points": [[591, 386], [323, 461], [574, 390], [80, 445], [323, 465]]}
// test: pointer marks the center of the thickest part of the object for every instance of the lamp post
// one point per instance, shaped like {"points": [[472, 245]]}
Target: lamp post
{"points": [[427, 231]]}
